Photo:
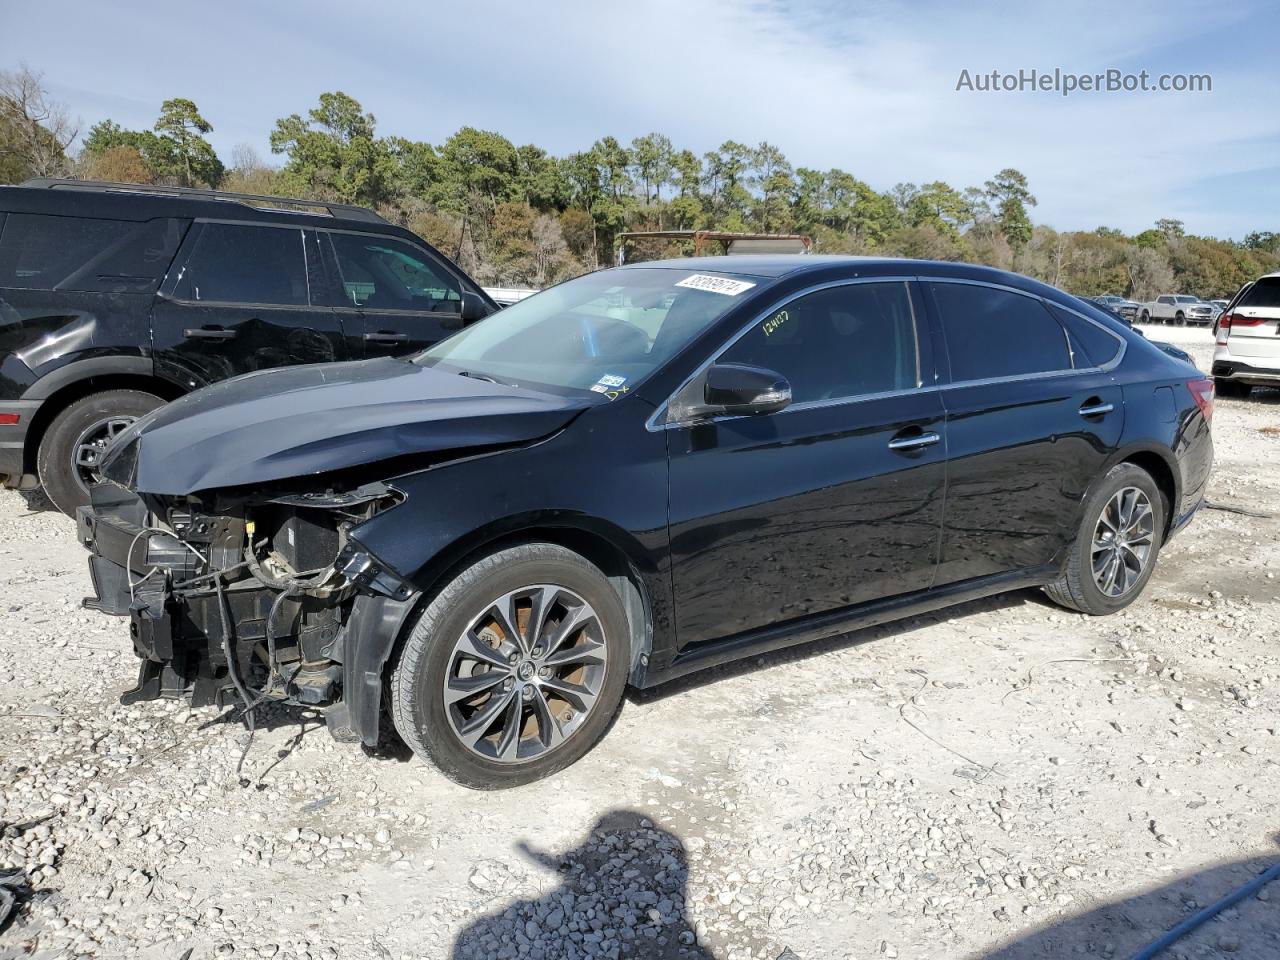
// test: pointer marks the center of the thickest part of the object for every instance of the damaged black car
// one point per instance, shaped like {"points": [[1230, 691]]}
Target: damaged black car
{"points": [[634, 475]]}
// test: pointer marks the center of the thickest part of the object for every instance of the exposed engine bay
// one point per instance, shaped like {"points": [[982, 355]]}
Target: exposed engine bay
{"points": [[236, 598]]}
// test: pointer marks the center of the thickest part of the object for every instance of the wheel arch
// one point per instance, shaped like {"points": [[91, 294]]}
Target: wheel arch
{"points": [[1162, 467], [380, 626], [613, 551], [64, 386]]}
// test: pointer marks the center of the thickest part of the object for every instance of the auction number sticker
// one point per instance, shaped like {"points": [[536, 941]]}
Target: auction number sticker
{"points": [[703, 281]]}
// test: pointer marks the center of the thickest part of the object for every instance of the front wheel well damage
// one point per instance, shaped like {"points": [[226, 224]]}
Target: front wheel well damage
{"points": [[607, 556]]}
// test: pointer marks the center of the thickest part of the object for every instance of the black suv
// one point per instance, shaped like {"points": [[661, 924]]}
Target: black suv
{"points": [[115, 299]]}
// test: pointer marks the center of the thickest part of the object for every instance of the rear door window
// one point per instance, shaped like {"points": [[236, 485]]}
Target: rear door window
{"points": [[380, 273], [85, 253], [243, 263], [1092, 346], [993, 333]]}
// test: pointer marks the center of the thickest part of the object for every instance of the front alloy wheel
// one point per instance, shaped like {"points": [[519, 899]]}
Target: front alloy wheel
{"points": [[514, 669], [525, 673]]}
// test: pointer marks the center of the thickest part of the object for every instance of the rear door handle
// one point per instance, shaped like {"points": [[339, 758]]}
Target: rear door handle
{"points": [[915, 441], [208, 333], [1095, 409], [382, 336]]}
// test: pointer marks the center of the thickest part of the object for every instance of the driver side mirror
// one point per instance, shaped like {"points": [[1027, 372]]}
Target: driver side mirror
{"points": [[473, 308], [736, 389]]}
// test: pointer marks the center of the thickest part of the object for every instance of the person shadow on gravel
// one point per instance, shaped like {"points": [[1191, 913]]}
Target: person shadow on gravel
{"points": [[621, 894]]}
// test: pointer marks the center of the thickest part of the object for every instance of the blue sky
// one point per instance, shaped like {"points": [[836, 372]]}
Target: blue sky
{"points": [[868, 87]]}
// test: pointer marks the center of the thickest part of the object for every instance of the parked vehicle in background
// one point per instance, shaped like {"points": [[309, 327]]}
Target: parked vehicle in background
{"points": [[633, 475], [506, 296], [1169, 348], [1179, 309], [1122, 307], [1246, 353], [1219, 304], [116, 298]]}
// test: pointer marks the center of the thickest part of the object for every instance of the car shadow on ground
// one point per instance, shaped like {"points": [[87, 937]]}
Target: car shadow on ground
{"points": [[622, 892], [853, 638], [1250, 930]]}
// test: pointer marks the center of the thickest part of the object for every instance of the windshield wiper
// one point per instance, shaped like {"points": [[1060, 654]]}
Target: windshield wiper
{"points": [[471, 374]]}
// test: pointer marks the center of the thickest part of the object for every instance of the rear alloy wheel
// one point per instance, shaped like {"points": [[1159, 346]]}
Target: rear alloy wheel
{"points": [[72, 448], [1116, 546], [515, 669]]}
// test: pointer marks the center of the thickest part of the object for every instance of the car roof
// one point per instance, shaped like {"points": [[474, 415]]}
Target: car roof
{"points": [[119, 201], [777, 266]]}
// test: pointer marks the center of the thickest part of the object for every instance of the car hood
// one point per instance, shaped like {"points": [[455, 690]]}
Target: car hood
{"points": [[305, 420]]}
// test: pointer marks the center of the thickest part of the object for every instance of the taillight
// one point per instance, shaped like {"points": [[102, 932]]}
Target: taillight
{"points": [[8, 419], [1202, 393], [1224, 329]]}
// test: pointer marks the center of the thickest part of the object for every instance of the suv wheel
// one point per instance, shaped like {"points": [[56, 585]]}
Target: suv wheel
{"points": [[72, 446], [1116, 546], [514, 670], [1180, 319], [1145, 318]]}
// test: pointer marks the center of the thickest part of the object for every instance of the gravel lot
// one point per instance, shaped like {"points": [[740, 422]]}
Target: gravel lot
{"points": [[1003, 780]]}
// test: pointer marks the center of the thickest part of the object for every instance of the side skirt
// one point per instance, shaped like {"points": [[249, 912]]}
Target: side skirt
{"points": [[835, 622]]}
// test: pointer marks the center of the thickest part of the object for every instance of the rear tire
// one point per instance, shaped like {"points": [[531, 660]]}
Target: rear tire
{"points": [[1078, 586], [517, 745], [81, 428]]}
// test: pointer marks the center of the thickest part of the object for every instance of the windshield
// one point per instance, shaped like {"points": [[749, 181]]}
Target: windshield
{"points": [[603, 332], [1187, 299]]}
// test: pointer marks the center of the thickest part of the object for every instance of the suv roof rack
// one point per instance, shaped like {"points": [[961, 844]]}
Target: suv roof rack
{"points": [[282, 204]]}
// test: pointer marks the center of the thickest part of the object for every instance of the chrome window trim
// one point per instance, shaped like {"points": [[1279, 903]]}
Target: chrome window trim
{"points": [[653, 422]]}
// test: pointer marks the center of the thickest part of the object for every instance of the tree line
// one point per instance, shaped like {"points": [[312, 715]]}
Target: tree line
{"points": [[518, 215]]}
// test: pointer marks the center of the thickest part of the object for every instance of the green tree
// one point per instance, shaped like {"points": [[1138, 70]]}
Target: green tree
{"points": [[333, 153], [1008, 190], [651, 157], [189, 157]]}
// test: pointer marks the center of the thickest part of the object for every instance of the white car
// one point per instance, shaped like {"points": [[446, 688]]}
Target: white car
{"points": [[1247, 352]]}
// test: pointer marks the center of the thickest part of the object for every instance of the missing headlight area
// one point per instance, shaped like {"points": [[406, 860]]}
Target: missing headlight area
{"points": [[238, 598]]}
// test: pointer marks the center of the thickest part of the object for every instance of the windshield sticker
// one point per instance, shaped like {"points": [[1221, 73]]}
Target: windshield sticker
{"points": [[599, 388], [611, 380], [702, 281], [774, 322]]}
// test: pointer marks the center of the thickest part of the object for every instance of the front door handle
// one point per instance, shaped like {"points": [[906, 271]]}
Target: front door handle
{"points": [[208, 333], [1094, 408], [915, 441], [384, 336]]}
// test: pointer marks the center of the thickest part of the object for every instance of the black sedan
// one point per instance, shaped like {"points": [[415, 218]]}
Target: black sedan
{"points": [[636, 474]]}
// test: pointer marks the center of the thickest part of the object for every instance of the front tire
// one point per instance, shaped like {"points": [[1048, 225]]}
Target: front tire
{"points": [[1145, 318], [1116, 546], [76, 438], [1180, 319], [515, 669]]}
